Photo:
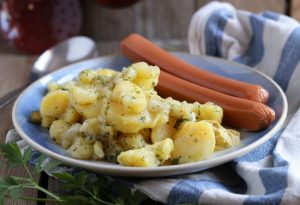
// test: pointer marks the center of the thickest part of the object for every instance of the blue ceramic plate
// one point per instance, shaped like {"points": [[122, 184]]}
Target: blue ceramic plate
{"points": [[39, 138]]}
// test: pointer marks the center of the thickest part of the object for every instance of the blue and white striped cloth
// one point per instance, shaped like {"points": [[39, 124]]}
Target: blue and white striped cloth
{"points": [[270, 174]]}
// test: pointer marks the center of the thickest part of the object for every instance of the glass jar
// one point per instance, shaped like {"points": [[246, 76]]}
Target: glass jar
{"points": [[32, 26]]}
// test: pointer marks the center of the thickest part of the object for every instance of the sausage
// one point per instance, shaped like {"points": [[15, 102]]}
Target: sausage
{"points": [[238, 112], [137, 48]]}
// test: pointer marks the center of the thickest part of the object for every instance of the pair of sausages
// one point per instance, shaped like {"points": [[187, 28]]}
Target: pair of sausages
{"points": [[242, 102]]}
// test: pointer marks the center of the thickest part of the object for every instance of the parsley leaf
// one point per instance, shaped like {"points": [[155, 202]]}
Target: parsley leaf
{"points": [[13, 154], [83, 187]]}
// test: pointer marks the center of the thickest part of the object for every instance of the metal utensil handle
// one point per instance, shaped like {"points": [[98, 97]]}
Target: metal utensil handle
{"points": [[11, 96]]}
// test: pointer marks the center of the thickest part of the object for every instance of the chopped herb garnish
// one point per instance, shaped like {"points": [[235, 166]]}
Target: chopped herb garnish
{"points": [[142, 118], [179, 123], [175, 161]]}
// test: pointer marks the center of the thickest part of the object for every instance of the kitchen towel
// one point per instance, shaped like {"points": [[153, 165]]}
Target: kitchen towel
{"points": [[268, 42]]}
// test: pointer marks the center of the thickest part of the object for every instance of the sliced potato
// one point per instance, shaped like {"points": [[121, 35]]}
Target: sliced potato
{"points": [[211, 111], [47, 121], [56, 130], [132, 141], [163, 149], [138, 158], [119, 117], [129, 73], [90, 110], [147, 75], [193, 142], [180, 110], [130, 96], [69, 136], [106, 72], [71, 115], [91, 128], [98, 150], [224, 137], [55, 103], [129, 123], [107, 133], [148, 156], [84, 96], [161, 132], [87, 76], [52, 86], [81, 149]]}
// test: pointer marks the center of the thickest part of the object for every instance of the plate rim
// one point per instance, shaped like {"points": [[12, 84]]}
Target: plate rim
{"points": [[169, 170]]}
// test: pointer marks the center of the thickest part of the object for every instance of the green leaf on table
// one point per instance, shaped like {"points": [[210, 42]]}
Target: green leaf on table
{"points": [[26, 155], [97, 190], [103, 180], [126, 195], [82, 187], [78, 180], [2, 199], [13, 155], [65, 177], [15, 193], [9, 181], [72, 182], [10, 187], [79, 200], [81, 178], [51, 164], [39, 162], [46, 167], [4, 184]]}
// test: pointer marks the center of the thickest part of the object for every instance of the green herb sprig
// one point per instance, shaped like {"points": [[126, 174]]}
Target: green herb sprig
{"points": [[82, 188]]}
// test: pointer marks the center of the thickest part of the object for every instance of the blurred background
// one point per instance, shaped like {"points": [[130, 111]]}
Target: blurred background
{"points": [[31, 26], [28, 27]]}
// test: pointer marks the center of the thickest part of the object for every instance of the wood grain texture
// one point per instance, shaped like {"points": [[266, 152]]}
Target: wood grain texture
{"points": [[19, 67], [152, 18], [167, 19], [295, 9], [14, 71], [258, 5], [113, 47], [5, 126], [103, 23]]}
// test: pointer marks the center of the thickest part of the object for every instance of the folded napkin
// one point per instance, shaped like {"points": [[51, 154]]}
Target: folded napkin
{"points": [[268, 42]]}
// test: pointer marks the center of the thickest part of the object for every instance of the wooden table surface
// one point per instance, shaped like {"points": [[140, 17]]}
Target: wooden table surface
{"points": [[14, 72]]}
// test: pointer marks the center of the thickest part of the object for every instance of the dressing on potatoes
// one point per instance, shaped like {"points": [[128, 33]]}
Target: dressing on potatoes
{"points": [[119, 117]]}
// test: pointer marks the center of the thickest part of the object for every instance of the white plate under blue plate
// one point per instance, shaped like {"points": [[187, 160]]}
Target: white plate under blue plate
{"points": [[39, 138]]}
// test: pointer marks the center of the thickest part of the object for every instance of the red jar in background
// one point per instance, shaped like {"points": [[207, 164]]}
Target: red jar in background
{"points": [[32, 26]]}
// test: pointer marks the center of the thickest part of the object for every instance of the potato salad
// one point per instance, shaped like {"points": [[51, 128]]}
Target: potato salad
{"points": [[118, 117]]}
